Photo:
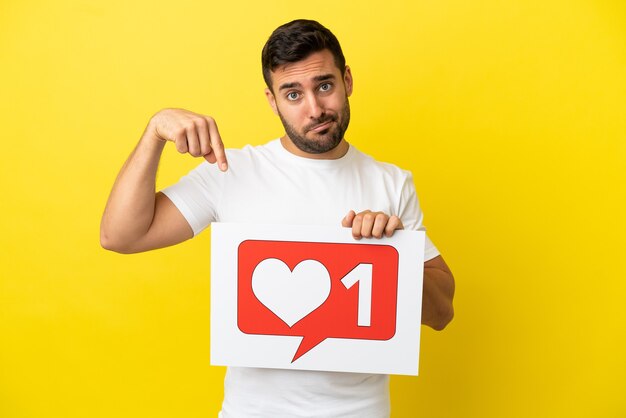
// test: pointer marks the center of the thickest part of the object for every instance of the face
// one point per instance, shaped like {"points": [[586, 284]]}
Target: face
{"points": [[311, 99]]}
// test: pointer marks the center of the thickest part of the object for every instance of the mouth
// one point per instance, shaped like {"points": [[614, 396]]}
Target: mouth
{"points": [[321, 127]]}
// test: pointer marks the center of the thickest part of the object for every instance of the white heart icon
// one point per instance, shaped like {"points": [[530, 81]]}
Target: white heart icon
{"points": [[291, 295]]}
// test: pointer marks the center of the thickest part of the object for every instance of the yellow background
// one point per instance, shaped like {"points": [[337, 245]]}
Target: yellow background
{"points": [[511, 115]]}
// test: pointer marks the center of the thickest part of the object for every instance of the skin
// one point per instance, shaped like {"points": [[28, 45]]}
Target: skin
{"points": [[311, 98]]}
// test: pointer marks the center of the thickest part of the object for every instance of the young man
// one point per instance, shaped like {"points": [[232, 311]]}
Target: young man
{"points": [[311, 175]]}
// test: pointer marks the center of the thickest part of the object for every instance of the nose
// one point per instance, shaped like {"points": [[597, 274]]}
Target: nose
{"points": [[316, 108]]}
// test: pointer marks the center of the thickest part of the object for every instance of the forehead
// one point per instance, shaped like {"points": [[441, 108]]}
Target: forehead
{"points": [[316, 64]]}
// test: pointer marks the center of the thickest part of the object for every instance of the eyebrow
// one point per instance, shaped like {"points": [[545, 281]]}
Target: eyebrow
{"points": [[317, 79]]}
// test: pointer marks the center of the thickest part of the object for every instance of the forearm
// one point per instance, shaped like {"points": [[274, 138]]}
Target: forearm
{"points": [[438, 292], [130, 209]]}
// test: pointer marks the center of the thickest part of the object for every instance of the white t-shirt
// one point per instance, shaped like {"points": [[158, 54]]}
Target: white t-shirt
{"points": [[268, 184]]}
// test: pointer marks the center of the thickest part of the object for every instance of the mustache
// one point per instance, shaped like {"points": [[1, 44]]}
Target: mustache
{"points": [[320, 121]]}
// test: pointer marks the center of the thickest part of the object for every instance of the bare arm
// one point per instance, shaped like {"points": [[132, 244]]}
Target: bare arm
{"points": [[438, 288], [438, 293], [136, 218]]}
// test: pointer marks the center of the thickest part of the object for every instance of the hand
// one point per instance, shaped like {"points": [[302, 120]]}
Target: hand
{"points": [[371, 224], [192, 133]]}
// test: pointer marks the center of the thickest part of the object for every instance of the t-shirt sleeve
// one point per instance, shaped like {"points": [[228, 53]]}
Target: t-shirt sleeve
{"points": [[196, 196], [411, 215]]}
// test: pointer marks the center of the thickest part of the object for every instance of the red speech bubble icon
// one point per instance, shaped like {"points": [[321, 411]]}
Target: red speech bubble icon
{"points": [[317, 290]]}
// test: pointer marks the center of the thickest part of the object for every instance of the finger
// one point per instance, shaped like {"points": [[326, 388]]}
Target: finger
{"points": [[356, 226], [347, 220], [380, 222], [393, 224], [217, 146], [180, 140], [368, 224], [203, 136], [193, 143]]}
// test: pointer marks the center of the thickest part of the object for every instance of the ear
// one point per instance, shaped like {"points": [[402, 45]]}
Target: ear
{"points": [[347, 81], [271, 99]]}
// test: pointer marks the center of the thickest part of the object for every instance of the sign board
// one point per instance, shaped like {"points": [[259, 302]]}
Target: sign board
{"points": [[314, 298]]}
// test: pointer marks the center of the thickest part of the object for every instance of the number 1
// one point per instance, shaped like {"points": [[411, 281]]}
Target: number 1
{"points": [[363, 275]]}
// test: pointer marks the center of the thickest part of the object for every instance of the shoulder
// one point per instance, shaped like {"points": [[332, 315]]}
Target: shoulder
{"points": [[387, 170], [252, 152], [238, 160], [239, 157]]}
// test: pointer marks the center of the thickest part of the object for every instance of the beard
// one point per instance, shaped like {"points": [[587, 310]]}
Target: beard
{"points": [[325, 140]]}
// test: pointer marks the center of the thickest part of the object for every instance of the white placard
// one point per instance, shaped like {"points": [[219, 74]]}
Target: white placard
{"points": [[314, 298]]}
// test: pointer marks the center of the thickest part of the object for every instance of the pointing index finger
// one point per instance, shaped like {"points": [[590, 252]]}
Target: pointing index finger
{"points": [[217, 146]]}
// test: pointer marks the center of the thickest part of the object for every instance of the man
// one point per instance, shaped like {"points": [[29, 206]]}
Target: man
{"points": [[311, 175]]}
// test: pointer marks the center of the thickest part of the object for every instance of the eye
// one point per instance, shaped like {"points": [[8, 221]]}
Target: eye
{"points": [[326, 87], [292, 96]]}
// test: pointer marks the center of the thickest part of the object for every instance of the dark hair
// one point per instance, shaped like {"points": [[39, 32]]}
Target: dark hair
{"points": [[296, 40]]}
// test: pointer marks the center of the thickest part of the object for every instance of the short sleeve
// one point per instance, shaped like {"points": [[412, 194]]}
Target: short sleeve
{"points": [[196, 196], [411, 214]]}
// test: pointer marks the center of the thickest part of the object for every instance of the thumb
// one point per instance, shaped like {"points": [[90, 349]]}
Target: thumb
{"points": [[210, 157]]}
